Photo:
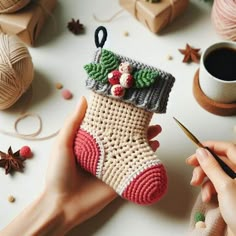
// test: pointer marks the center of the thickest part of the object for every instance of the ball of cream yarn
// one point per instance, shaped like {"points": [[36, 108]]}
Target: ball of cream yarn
{"points": [[16, 70], [10, 6]]}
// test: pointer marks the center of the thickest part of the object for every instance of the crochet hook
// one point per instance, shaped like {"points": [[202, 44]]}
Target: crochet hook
{"points": [[225, 167]]}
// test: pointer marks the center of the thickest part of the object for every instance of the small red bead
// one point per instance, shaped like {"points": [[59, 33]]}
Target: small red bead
{"points": [[66, 94], [25, 151], [125, 67], [117, 91], [114, 77], [126, 80]]}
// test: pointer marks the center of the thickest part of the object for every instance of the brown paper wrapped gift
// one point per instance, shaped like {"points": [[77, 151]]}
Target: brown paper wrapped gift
{"points": [[155, 16], [28, 22]]}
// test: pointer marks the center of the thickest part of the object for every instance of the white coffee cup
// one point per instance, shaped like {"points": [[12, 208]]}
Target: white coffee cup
{"points": [[217, 89]]}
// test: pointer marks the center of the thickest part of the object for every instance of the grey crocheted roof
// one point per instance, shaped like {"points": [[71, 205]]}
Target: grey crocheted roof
{"points": [[153, 98]]}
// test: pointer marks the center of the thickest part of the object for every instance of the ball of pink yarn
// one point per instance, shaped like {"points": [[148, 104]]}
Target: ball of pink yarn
{"points": [[224, 18]]}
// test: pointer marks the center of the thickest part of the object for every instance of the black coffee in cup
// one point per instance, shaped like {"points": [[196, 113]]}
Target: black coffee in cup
{"points": [[221, 63]]}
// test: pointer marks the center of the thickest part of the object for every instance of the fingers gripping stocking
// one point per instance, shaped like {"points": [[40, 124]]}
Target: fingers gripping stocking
{"points": [[112, 140]]}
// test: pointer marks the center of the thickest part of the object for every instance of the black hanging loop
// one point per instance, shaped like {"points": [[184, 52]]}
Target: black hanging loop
{"points": [[98, 43]]}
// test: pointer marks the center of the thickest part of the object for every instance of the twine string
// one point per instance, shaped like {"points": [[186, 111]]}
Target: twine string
{"points": [[33, 136], [22, 117], [109, 19], [28, 136]]}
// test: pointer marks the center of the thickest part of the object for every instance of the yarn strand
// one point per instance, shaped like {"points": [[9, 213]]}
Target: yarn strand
{"points": [[109, 19], [31, 136]]}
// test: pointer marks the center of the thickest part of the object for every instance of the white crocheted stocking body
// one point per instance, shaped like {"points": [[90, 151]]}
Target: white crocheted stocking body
{"points": [[112, 145]]}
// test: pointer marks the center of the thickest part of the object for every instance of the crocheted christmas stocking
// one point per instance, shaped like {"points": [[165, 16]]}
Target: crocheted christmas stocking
{"points": [[206, 219], [112, 140]]}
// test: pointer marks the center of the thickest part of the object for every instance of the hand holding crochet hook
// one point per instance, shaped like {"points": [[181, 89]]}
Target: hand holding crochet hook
{"points": [[215, 160]]}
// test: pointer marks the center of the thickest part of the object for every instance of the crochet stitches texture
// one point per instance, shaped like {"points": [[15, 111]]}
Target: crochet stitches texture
{"points": [[112, 140], [112, 145], [153, 98]]}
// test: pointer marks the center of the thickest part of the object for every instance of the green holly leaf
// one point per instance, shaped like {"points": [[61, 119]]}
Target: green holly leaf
{"points": [[97, 72], [109, 60], [144, 78]]}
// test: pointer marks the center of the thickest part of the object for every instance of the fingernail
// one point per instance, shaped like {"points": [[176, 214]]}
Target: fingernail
{"points": [[158, 127], [154, 145], [194, 178], [206, 197], [202, 154], [80, 102], [188, 159]]}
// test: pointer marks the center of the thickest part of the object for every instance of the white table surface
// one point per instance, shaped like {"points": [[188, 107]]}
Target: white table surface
{"points": [[59, 56]]}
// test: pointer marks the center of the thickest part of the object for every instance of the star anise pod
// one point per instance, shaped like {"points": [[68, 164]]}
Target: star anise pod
{"points": [[75, 26], [190, 54], [11, 161]]}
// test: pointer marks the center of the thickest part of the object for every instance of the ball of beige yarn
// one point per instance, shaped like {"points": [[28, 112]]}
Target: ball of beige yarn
{"points": [[16, 70], [10, 6]]}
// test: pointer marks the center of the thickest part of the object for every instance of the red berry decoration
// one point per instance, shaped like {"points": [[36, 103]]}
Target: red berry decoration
{"points": [[126, 80], [25, 152], [125, 67], [117, 91], [114, 77]]}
